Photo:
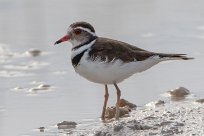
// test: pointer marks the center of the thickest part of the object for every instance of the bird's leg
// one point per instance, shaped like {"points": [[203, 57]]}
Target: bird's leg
{"points": [[105, 102], [118, 102]]}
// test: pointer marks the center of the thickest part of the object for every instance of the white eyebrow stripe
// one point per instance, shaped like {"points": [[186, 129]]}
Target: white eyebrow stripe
{"points": [[86, 29]]}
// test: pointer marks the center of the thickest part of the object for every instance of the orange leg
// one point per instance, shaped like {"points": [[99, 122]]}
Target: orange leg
{"points": [[118, 102], [105, 102]]}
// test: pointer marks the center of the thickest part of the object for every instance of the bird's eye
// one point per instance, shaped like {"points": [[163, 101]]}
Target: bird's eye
{"points": [[77, 31]]}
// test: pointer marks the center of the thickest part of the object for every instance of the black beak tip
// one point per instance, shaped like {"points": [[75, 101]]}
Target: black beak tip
{"points": [[57, 42]]}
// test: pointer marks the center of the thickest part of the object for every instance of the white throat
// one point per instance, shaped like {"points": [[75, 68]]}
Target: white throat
{"points": [[75, 42], [81, 49]]}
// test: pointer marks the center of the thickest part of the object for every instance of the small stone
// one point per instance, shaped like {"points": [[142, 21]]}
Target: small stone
{"points": [[179, 92], [156, 103], [179, 124], [165, 123], [18, 88], [118, 127], [159, 103], [42, 129], [110, 112], [34, 52], [139, 127], [150, 118], [125, 108], [151, 133], [66, 125], [124, 103], [200, 100], [44, 86], [33, 89], [124, 111], [40, 88], [167, 132], [100, 133]]}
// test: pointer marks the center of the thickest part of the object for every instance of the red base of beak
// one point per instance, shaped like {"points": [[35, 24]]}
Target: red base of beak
{"points": [[63, 39]]}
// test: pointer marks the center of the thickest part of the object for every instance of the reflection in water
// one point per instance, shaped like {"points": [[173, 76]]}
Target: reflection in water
{"points": [[5, 53], [173, 98]]}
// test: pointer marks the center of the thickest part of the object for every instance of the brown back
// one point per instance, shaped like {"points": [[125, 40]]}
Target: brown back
{"points": [[113, 49]]}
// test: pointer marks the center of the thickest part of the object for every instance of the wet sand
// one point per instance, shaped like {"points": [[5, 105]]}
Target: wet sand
{"points": [[39, 88], [181, 117], [174, 118]]}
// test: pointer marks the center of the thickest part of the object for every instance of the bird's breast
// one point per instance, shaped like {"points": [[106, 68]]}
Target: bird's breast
{"points": [[76, 59], [105, 72]]}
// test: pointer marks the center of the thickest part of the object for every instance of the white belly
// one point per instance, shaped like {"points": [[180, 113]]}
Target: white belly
{"points": [[113, 72]]}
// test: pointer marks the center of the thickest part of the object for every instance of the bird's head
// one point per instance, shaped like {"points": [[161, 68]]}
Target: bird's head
{"points": [[78, 33]]}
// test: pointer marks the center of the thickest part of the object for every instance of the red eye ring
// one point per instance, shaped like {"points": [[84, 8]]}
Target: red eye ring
{"points": [[77, 31]]}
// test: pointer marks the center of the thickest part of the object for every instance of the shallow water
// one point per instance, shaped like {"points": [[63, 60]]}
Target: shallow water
{"points": [[156, 25]]}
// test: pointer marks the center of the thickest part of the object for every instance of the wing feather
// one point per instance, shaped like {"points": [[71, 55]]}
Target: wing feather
{"points": [[113, 49]]}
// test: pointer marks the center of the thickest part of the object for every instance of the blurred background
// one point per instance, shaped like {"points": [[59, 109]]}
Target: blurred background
{"points": [[38, 86]]}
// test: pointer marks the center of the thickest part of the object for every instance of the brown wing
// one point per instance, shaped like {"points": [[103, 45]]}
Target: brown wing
{"points": [[112, 49]]}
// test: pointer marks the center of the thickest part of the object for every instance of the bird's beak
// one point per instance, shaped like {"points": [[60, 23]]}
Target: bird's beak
{"points": [[63, 39]]}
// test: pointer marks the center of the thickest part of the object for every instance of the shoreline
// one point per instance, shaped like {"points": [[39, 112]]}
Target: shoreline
{"points": [[184, 117]]}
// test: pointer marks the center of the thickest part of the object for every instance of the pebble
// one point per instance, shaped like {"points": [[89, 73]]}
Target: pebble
{"points": [[125, 108], [18, 88], [118, 127], [40, 87], [200, 100], [179, 92], [159, 103], [44, 86], [164, 123], [156, 103], [124, 103], [139, 127], [34, 89], [152, 134], [66, 125], [34, 52], [42, 129], [110, 112]]}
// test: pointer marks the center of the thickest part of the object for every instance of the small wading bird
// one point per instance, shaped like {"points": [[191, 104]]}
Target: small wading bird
{"points": [[107, 61]]}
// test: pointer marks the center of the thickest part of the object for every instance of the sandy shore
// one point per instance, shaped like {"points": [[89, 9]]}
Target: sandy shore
{"points": [[173, 118], [170, 118]]}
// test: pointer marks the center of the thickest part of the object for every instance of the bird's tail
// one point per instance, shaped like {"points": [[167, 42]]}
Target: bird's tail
{"points": [[174, 56]]}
